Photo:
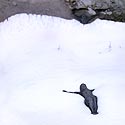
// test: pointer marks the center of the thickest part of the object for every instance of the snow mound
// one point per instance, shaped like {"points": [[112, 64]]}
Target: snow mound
{"points": [[41, 55]]}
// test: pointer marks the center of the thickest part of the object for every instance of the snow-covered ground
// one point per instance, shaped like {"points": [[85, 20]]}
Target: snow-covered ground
{"points": [[40, 56]]}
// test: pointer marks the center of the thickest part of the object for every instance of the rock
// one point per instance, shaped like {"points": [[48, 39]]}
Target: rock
{"points": [[91, 11], [87, 11], [14, 3], [57, 8]]}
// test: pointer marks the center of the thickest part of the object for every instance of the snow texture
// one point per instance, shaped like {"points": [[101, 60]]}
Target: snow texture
{"points": [[40, 56]]}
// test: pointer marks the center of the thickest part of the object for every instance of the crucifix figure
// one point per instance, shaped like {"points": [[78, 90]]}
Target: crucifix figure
{"points": [[90, 99]]}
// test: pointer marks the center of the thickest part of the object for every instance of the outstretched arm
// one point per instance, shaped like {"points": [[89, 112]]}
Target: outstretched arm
{"points": [[92, 90], [71, 92]]}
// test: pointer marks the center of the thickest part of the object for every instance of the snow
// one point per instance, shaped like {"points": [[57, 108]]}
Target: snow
{"points": [[41, 55]]}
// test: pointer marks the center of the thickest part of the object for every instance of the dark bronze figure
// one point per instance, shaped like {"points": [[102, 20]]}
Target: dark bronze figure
{"points": [[90, 99]]}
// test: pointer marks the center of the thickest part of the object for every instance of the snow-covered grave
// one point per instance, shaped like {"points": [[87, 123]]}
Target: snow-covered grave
{"points": [[40, 56]]}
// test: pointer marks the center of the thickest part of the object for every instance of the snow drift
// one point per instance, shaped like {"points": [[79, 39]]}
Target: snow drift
{"points": [[41, 55]]}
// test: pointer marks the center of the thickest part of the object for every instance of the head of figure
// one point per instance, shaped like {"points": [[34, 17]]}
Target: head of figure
{"points": [[83, 87]]}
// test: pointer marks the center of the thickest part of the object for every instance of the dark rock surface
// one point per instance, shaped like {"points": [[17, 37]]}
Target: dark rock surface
{"points": [[43, 7], [88, 10]]}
